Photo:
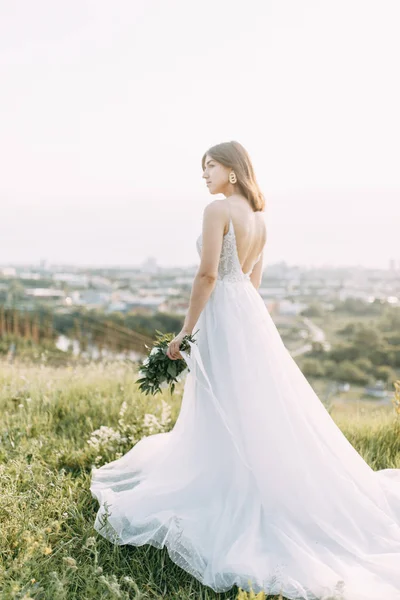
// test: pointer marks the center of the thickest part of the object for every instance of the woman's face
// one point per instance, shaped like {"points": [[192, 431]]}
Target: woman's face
{"points": [[216, 176]]}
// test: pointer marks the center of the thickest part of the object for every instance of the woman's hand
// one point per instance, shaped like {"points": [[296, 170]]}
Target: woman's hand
{"points": [[173, 347]]}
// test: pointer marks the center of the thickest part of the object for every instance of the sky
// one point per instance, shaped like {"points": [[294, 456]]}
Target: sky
{"points": [[106, 109]]}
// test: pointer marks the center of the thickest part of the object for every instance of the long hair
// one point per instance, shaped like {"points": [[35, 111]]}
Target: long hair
{"points": [[233, 155]]}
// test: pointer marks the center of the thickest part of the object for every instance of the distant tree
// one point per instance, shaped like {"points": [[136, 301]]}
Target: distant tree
{"points": [[15, 293], [356, 306], [383, 355], [393, 337], [330, 368], [314, 309], [364, 364], [312, 368], [391, 319], [317, 348], [347, 371], [347, 330], [343, 352], [365, 336], [386, 374]]}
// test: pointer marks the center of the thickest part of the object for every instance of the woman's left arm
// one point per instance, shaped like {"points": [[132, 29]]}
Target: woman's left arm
{"points": [[202, 288], [214, 218]]}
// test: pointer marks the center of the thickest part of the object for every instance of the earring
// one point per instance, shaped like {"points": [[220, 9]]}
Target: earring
{"points": [[232, 177]]}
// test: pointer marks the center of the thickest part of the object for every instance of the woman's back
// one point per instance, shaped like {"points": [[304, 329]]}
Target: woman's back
{"points": [[250, 231]]}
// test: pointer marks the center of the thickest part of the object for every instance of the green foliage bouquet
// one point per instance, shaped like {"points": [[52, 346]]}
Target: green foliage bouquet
{"points": [[158, 370]]}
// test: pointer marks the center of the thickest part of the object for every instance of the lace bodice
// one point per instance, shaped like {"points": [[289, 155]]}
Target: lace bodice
{"points": [[229, 268]]}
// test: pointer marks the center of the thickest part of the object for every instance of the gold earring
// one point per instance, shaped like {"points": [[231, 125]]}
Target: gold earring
{"points": [[232, 177]]}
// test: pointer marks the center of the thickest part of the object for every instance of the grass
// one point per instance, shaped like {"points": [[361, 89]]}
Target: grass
{"points": [[49, 547]]}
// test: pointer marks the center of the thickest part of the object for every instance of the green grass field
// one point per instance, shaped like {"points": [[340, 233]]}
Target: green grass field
{"points": [[48, 445]]}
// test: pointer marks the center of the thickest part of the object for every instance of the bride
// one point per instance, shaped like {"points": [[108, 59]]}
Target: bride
{"points": [[255, 485]]}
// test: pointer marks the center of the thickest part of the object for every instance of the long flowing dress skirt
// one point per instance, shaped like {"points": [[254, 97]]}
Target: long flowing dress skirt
{"points": [[255, 484]]}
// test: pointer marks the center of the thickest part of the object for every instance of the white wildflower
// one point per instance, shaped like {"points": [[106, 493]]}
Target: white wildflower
{"points": [[165, 414], [70, 562], [112, 584], [123, 408], [91, 541], [151, 423], [105, 436]]}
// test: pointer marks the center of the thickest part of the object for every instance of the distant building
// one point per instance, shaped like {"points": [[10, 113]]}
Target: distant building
{"points": [[72, 279], [116, 307], [8, 272], [30, 275], [90, 298], [285, 307], [45, 293], [102, 283]]}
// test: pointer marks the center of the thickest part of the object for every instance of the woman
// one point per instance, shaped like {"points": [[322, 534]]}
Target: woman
{"points": [[255, 484]]}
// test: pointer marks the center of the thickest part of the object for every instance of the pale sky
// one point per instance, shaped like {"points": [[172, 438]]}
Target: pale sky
{"points": [[107, 108]]}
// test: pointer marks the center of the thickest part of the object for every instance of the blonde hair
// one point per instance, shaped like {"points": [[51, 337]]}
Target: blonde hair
{"points": [[233, 155]]}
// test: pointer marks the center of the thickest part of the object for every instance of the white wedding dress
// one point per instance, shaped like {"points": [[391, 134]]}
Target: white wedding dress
{"points": [[255, 484]]}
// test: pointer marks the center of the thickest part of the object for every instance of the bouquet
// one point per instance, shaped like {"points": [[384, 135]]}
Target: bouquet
{"points": [[158, 370]]}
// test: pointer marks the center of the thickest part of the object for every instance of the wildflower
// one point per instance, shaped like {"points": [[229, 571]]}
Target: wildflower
{"points": [[70, 562], [151, 423], [105, 436], [123, 408], [91, 541], [47, 550], [165, 413]]}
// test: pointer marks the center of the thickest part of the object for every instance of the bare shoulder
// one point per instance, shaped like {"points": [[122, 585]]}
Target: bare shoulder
{"points": [[215, 217], [215, 208]]}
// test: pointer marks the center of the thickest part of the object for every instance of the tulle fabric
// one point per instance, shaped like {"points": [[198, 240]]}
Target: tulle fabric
{"points": [[255, 484]]}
